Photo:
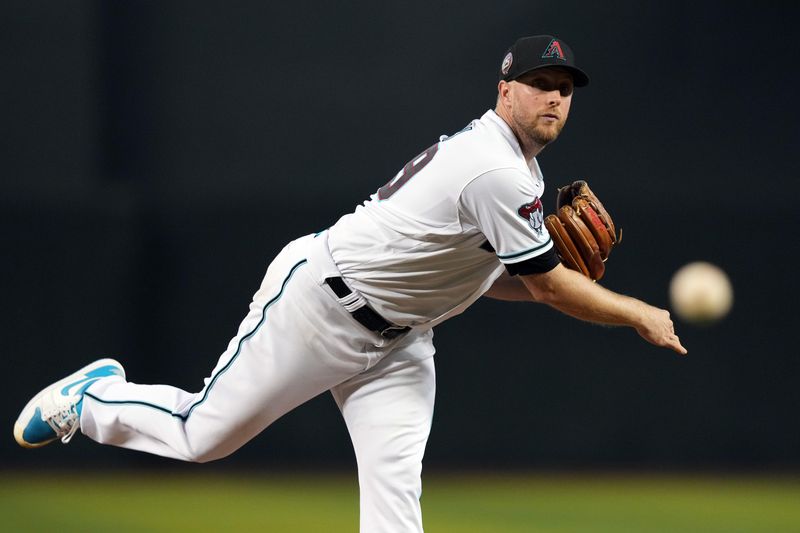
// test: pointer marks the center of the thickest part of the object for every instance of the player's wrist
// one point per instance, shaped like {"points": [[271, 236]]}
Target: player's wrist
{"points": [[643, 315]]}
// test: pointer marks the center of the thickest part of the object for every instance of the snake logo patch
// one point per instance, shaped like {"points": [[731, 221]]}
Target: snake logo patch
{"points": [[532, 212]]}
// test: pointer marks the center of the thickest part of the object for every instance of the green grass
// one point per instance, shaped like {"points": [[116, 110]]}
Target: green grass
{"points": [[465, 503]]}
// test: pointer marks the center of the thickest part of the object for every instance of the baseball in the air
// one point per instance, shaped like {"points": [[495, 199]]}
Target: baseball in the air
{"points": [[700, 293]]}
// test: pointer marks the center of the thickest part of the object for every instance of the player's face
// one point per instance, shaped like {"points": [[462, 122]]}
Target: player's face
{"points": [[540, 102]]}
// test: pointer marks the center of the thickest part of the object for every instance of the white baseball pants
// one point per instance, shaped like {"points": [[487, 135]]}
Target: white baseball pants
{"points": [[296, 342]]}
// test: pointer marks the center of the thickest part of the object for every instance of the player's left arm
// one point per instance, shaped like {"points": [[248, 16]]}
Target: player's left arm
{"points": [[574, 294]]}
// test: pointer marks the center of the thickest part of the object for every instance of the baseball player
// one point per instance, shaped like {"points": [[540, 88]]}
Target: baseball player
{"points": [[351, 309]]}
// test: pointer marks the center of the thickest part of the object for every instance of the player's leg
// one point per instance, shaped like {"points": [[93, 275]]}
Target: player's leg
{"points": [[295, 342], [388, 411]]}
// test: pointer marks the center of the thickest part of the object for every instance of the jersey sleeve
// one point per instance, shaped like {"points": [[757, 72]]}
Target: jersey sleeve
{"points": [[505, 206]]}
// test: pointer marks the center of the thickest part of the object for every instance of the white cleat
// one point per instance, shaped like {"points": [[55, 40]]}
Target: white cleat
{"points": [[55, 412]]}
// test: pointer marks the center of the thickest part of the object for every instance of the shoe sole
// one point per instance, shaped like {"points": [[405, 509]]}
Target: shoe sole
{"points": [[30, 408]]}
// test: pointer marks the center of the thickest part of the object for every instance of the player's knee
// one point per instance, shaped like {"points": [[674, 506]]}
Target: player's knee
{"points": [[206, 455], [209, 440], [207, 450]]}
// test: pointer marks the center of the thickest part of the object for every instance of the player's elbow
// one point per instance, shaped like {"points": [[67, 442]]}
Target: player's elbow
{"points": [[543, 287], [541, 292]]}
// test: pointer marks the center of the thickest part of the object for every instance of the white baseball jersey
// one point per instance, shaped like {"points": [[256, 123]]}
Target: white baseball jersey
{"points": [[434, 239], [423, 248]]}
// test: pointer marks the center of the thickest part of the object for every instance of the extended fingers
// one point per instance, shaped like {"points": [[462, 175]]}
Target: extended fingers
{"points": [[662, 333], [675, 343]]}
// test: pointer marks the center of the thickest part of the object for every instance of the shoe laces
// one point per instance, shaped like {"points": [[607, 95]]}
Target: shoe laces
{"points": [[63, 419]]}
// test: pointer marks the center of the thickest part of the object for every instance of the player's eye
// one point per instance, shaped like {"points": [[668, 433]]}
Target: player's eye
{"points": [[538, 83], [565, 89]]}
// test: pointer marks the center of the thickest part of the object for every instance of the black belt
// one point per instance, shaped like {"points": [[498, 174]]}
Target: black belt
{"points": [[365, 315]]}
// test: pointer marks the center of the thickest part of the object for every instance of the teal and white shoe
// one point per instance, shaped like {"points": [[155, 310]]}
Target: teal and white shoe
{"points": [[55, 412]]}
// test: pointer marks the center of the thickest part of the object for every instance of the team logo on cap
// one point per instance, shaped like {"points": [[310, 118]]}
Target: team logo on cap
{"points": [[554, 50], [506, 66], [532, 212]]}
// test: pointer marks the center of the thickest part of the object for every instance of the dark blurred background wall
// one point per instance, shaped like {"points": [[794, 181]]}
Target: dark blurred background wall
{"points": [[159, 154]]}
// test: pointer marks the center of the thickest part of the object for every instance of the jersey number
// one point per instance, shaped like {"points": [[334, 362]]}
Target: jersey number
{"points": [[411, 168]]}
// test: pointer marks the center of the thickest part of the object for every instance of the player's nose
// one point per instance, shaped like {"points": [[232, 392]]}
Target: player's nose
{"points": [[554, 96]]}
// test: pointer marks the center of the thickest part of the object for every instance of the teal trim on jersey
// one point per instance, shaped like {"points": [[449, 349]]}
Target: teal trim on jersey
{"points": [[222, 370], [519, 254]]}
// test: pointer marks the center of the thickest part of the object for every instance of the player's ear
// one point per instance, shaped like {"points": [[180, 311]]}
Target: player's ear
{"points": [[503, 88]]}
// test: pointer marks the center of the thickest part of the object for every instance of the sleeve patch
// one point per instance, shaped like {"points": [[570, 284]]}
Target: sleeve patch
{"points": [[532, 212]]}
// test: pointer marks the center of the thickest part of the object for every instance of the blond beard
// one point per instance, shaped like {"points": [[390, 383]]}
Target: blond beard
{"points": [[540, 135], [543, 137]]}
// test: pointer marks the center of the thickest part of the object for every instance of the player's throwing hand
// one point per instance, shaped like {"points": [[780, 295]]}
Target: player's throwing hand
{"points": [[656, 327]]}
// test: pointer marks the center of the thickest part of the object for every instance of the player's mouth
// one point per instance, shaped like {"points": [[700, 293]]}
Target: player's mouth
{"points": [[551, 117]]}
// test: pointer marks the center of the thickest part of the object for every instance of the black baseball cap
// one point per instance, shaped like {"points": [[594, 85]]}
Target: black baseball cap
{"points": [[540, 51]]}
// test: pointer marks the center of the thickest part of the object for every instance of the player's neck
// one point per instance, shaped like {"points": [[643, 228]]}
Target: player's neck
{"points": [[529, 147]]}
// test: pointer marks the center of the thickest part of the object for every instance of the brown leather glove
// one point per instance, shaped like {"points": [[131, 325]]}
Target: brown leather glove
{"points": [[583, 231]]}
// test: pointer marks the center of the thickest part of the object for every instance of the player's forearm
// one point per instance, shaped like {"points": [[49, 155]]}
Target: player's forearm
{"points": [[575, 295], [606, 308]]}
